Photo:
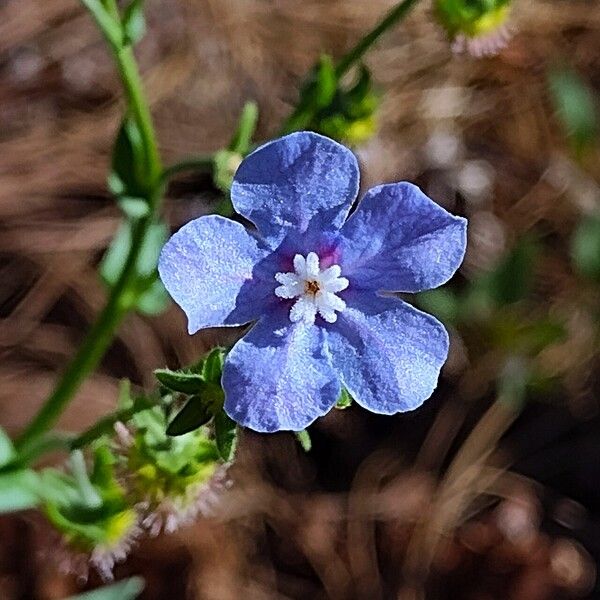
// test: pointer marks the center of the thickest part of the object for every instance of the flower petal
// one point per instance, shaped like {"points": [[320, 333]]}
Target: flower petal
{"points": [[300, 265], [312, 265], [388, 353], [331, 273], [209, 268], [287, 278], [303, 310], [400, 240], [337, 285], [279, 377], [288, 183]]}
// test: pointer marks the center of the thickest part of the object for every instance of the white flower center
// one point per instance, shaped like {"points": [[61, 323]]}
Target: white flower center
{"points": [[315, 289]]}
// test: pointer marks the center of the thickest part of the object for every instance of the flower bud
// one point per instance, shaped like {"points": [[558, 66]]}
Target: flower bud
{"points": [[478, 27], [172, 480], [92, 514]]}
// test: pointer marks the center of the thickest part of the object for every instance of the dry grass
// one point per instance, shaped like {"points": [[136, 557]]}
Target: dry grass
{"points": [[401, 530]]}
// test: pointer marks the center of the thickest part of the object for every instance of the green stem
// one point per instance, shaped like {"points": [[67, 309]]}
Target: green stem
{"points": [[51, 442], [106, 424], [93, 348], [122, 295], [66, 442], [395, 15]]}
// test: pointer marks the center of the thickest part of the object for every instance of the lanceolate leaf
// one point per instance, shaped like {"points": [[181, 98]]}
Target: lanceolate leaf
{"points": [[128, 589], [180, 381], [213, 366], [345, 399], [128, 162], [19, 490], [115, 257], [154, 300], [134, 23], [194, 414], [303, 438]]}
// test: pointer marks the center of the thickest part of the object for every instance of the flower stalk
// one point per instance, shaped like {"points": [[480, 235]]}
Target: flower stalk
{"points": [[123, 294]]}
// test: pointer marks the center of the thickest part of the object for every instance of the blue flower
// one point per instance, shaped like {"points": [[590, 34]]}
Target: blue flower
{"points": [[312, 279]]}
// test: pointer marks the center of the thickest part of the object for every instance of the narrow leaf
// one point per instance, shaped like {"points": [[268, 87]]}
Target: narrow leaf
{"points": [[134, 22], [180, 381], [194, 414], [128, 589], [154, 241], [242, 138], [115, 256], [345, 399], [114, 259], [128, 162], [324, 84], [19, 490], [213, 366], [303, 438], [134, 208], [154, 300]]}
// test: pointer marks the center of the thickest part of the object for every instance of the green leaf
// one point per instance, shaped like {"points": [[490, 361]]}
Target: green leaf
{"points": [[194, 414], [317, 93], [89, 497], [124, 399], [58, 487], [585, 247], [116, 255], [7, 450], [303, 438], [155, 239], [361, 89], [180, 381], [127, 177], [576, 106], [114, 259], [128, 589], [152, 424], [213, 366], [349, 115], [240, 143], [322, 87], [345, 399], [134, 208], [134, 22], [225, 435], [19, 490], [155, 300]]}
